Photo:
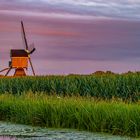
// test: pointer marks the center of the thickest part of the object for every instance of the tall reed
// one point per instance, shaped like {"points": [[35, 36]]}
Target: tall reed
{"points": [[81, 113], [125, 86]]}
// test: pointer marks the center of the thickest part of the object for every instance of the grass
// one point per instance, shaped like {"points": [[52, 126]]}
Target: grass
{"points": [[103, 102], [82, 113], [124, 86]]}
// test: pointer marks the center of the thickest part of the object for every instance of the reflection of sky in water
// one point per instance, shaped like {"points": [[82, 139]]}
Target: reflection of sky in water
{"points": [[37, 133], [7, 138]]}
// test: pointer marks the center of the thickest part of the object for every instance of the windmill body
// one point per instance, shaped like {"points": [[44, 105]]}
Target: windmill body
{"points": [[19, 61], [20, 58]]}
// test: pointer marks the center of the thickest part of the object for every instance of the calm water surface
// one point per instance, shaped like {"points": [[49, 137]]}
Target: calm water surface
{"points": [[10, 131]]}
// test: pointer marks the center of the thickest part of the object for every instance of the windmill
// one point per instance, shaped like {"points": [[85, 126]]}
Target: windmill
{"points": [[20, 58]]}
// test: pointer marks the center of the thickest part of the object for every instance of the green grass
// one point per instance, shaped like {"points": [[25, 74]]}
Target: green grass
{"points": [[124, 86], [98, 103], [82, 113]]}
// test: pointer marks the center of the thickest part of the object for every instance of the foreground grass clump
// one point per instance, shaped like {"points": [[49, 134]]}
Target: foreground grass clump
{"points": [[112, 116], [124, 86]]}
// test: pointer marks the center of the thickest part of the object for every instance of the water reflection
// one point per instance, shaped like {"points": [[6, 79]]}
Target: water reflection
{"points": [[10, 131], [78, 137], [7, 138]]}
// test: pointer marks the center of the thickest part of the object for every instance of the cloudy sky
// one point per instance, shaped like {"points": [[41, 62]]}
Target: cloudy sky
{"points": [[73, 36]]}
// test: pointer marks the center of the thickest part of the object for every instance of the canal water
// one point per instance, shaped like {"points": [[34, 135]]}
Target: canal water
{"points": [[10, 131]]}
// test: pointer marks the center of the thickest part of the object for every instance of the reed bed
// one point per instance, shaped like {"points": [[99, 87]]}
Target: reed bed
{"points": [[82, 113], [124, 86]]}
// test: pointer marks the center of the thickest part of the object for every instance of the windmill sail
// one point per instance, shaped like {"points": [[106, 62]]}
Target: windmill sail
{"points": [[31, 66], [27, 48], [24, 36], [31, 48]]}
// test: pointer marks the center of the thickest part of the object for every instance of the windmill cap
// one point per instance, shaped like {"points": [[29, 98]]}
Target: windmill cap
{"points": [[19, 53]]}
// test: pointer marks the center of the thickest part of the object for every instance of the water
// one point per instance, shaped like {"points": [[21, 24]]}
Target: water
{"points": [[10, 131]]}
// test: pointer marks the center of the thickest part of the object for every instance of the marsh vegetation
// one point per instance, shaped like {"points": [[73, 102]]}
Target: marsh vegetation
{"points": [[97, 103], [80, 113]]}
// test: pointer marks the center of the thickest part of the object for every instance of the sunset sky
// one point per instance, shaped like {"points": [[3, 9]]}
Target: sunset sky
{"points": [[73, 36]]}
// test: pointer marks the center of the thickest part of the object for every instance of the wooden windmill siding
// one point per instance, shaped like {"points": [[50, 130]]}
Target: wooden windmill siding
{"points": [[19, 59]]}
